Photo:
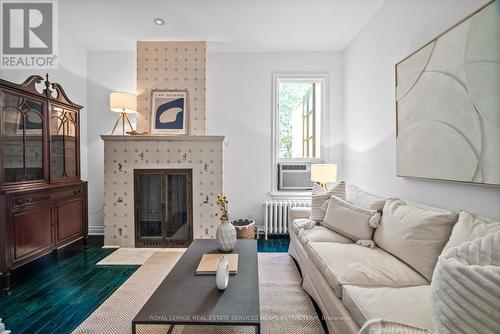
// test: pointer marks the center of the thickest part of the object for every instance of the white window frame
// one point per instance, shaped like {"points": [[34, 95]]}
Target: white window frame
{"points": [[298, 77]]}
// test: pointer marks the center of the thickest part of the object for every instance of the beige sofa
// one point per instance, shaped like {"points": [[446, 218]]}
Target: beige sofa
{"points": [[353, 284]]}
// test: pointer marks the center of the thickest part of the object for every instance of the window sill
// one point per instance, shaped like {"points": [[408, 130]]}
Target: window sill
{"points": [[290, 195]]}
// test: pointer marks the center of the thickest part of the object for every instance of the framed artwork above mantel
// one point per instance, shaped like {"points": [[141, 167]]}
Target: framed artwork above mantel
{"points": [[448, 104], [169, 112]]}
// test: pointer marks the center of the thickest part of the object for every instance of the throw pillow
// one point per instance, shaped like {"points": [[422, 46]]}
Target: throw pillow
{"points": [[319, 196], [464, 290], [351, 221], [414, 234], [470, 227], [359, 197]]}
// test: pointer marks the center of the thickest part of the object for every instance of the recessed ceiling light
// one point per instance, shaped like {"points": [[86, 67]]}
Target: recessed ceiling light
{"points": [[159, 21]]}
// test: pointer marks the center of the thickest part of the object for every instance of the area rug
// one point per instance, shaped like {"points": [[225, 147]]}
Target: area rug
{"points": [[133, 256], [285, 307]]}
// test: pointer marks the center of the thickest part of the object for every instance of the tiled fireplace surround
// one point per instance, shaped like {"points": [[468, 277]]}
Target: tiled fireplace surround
{"points": [[164, 65]]}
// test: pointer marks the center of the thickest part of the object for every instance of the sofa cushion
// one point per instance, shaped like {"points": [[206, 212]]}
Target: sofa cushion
{"points": [[359, 197], [414, 234], [408, 305], [343, 264], [366, 303], [351, 221], [319, 196], [321, 234], [470, 227]]}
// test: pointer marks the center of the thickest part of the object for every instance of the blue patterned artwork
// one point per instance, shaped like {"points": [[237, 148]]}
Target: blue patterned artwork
{"points": [[169, 112]]}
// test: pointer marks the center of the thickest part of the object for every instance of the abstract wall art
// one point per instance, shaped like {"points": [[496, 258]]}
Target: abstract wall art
{"points": [[169, 112], [448, 104]]}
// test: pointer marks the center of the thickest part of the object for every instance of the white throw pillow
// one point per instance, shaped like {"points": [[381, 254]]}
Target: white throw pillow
{"points": [[470, 227], [465, 292], [361, 198], [351, 221], [319, 196], [414, 234]]}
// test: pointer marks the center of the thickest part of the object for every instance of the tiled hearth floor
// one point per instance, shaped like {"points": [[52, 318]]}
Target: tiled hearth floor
{"points": [[55, 293]]}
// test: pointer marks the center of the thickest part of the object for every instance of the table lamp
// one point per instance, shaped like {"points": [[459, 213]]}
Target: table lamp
{"points": [[123, 103], [324, 174]]}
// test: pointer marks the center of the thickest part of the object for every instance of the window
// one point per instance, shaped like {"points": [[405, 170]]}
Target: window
{"points": [[299, 107], [299, 115]]}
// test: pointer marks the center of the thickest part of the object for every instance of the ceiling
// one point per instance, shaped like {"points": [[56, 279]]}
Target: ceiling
{"points": [[229, 25]]}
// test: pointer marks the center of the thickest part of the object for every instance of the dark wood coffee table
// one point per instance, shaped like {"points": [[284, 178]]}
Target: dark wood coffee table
{"points": [[184, 298]]}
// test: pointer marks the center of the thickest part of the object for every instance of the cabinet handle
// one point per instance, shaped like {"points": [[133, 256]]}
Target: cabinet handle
{"points": [[77, 192], [21, 202]]}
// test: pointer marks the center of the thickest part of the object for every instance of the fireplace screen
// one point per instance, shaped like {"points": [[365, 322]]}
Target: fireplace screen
{"points": [[163, 207]]}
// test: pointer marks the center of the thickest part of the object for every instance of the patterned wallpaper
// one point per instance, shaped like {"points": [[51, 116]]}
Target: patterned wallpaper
{"points": [[172, 65], [204, 155]]}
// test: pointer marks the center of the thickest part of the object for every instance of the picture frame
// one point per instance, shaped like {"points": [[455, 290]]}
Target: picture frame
{"points": [[169, 112]]}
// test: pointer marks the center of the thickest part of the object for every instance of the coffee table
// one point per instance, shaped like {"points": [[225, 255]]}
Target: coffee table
{"points": [[184, 298]]}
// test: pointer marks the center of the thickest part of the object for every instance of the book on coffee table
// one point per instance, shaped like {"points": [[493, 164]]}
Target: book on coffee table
{"points": [[208, 264]]}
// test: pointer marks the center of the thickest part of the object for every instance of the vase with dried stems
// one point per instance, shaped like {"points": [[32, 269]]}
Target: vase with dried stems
{"points": [[226, 233]]}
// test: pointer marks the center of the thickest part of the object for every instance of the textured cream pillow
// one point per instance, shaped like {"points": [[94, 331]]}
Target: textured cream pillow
{"points": [[319, 196], [359, 197], [470, 227], [414, 234], [351, 221]]}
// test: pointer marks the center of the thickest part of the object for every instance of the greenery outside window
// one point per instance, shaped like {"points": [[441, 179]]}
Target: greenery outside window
{"points": [[299, 109]]}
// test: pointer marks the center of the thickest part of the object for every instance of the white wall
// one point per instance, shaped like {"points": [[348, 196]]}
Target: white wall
{"points": [[398, 28], [240, 107], [108, 71], [72, 75]]}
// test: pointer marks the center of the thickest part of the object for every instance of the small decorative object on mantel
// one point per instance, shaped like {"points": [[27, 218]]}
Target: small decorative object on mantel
{"points": [[137, 133], [169, 112], [222, 275], [226, 233]]}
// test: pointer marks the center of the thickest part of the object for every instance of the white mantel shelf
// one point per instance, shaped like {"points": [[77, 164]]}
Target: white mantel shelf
{"points": [[162, 138]]}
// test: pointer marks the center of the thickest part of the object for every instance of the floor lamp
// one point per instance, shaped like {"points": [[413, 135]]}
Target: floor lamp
{"points": [[123, 103]]}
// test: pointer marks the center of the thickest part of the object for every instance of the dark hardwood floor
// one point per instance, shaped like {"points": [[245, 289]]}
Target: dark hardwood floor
{"points": [[274, 243], [55, 293]]}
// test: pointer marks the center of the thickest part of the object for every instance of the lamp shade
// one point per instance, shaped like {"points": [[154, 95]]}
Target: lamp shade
{"points": [[324, 173], [123, 102]]}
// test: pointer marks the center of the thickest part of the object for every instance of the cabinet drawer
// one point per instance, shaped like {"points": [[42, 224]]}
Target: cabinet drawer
{"points": [[67, 193], [28, 200]]}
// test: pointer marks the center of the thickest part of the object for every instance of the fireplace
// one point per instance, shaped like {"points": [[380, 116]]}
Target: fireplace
{"points": [[163, 202], [201, 156]]}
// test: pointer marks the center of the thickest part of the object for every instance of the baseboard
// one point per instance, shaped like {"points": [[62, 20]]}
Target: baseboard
{"points": [[96, 230]]}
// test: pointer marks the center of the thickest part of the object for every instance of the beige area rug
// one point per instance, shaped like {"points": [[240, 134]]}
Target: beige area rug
{"points": [[285, 308], [134, 256]]}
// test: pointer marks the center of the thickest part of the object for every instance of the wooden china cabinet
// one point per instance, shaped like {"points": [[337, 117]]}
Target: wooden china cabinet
{"points": [[43, 201]]}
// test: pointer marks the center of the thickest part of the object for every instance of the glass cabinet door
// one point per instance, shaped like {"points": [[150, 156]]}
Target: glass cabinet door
{"points": [[23, 138], [63, 143]]}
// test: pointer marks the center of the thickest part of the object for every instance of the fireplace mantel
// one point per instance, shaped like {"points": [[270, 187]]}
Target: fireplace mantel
{"points": [[204, 155], [162, 138]]}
